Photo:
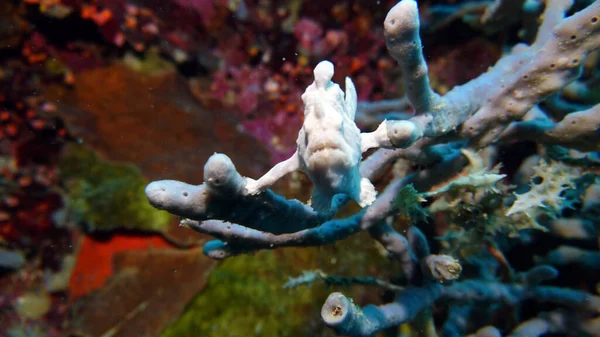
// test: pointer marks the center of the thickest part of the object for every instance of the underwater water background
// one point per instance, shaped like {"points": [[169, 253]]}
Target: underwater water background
{"points": [[134, 135]]}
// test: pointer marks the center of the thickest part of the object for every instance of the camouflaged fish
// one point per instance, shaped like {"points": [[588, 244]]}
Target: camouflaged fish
{"points": [[328, 147]]}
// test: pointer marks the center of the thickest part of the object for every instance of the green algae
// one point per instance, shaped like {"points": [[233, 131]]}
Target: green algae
{"points": [[245, 297], [104, 195], [149, 62], [55, 67]]}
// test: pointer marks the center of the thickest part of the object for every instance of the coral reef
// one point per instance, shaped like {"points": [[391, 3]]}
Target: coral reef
{"points": [[448, 186], [478, 282]]}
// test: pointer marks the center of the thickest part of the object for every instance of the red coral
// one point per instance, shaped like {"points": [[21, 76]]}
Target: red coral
{"points": [[95, 259]]}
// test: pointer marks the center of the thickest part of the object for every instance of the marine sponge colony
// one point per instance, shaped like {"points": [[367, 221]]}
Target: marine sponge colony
{"points": [[443, 137]]}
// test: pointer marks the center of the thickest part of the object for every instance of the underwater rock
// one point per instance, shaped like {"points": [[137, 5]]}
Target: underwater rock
{"points": [[148, 292], [94, 265], [154, 122]]}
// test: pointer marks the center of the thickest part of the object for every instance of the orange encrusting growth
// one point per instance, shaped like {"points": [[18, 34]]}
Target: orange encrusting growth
{"points": [[95, 259]]}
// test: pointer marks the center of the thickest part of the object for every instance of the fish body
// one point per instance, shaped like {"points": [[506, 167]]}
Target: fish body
{"points": [[329, 142]]}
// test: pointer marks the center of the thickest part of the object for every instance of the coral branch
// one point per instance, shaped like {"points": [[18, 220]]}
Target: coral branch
{"points": [[483, 107], [346, 318], [222, 196], [578, 130], [435, 144], [236, 239]]}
